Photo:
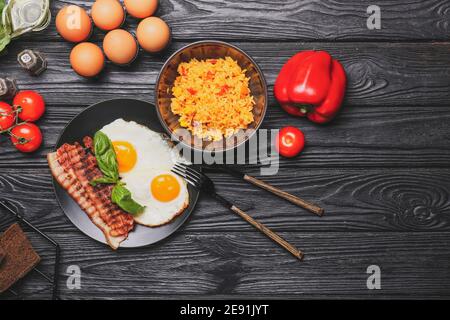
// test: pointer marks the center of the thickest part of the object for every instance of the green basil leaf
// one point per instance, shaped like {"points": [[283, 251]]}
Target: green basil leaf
{"points": [[108, 164], [102, 180], [122, 197], [101, 143], [106, 156]]}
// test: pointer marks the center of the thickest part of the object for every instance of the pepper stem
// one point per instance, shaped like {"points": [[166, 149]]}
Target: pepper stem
{"points": [[305, 108]]}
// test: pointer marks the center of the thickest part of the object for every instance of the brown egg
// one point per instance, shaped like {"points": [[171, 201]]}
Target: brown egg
{"points": [[153, 34], [73, 23], [120, 46], [107, 14], [141, 8], [87, 59]]}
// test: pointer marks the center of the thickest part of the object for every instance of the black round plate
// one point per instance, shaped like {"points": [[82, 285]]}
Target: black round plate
{"points": [[90, 121]]}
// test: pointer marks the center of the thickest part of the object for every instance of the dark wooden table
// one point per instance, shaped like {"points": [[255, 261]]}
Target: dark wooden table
{"points": [[381, 169]]}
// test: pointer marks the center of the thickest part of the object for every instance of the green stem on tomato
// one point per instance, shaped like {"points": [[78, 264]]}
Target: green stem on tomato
{"points": [[16, 110], [20, 140]]}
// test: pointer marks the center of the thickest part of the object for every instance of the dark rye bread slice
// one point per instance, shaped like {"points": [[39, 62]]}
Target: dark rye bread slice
{"points": [[20, 257]]}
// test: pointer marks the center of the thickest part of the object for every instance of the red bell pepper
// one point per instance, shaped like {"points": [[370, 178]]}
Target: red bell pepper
{"points": [[311, 84]]}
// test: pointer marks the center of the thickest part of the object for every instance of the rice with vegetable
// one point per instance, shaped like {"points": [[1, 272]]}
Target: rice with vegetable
{"points": [[212, 98]]}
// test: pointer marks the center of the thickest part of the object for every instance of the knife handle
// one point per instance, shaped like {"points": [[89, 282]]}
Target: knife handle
{"points": [[269, 233], [287, 196]]}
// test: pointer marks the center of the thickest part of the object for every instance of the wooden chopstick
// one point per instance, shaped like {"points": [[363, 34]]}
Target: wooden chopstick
{"points": [[285, 195]]}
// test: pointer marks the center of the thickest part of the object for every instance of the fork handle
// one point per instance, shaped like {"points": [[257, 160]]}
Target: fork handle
{"points": [[287, 196], [272, 235]]}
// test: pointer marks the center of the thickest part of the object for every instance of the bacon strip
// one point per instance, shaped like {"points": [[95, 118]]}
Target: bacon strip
{"points": [[73, 168]]}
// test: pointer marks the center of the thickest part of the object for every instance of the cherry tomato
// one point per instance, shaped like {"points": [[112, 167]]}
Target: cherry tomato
{"points": [[7, 116], [290, 142], [26, 137], [31, 103]]}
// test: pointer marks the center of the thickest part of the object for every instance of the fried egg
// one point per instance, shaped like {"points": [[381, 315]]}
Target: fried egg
{"points": [[163, 193], [137, 147], [145, 159]]}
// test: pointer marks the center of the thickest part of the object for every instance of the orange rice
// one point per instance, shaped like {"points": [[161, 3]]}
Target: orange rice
{"points": [[212, 98]]}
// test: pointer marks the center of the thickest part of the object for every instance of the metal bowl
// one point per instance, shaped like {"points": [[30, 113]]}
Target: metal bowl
{"points": [[209, 50]]}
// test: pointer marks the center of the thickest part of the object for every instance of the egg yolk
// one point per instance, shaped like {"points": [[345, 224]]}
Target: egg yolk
{"points": [[126, 155], [165, 188]]}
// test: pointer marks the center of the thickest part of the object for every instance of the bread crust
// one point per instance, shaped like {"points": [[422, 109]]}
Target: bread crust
{"points": [[19, 257]]}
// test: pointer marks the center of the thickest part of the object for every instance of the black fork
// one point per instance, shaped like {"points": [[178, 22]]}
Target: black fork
{"points": [[202, 183]]}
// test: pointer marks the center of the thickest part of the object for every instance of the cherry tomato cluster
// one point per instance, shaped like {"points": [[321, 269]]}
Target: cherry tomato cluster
{"points": [[17, 119]]}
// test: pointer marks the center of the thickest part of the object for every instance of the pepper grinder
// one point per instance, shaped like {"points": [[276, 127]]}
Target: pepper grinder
{"points": [[32, 61], [8, 88]]}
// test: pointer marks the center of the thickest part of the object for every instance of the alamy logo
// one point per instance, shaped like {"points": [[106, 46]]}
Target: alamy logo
{"points": [[374, 279], [74, 279], [374, 19], [259, 149], [73, 21]]}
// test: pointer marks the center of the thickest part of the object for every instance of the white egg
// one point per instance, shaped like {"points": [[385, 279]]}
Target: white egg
{"points": [[163, 201]]}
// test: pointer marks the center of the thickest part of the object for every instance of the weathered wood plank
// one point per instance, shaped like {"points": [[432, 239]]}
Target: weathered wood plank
{"points": [[294, 20], [370, 169], [413, 265], [380, 74], [354, 200], [359, 137]]}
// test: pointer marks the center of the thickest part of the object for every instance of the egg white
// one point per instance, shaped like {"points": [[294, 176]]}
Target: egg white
{"points": [[156, 213], [152, 150]]}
